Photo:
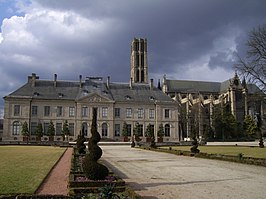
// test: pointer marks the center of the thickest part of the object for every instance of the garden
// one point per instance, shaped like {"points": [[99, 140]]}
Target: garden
{"points": [[23, 168]]}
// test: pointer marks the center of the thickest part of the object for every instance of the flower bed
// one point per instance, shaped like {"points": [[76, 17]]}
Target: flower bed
{"points": [[79, 183]]}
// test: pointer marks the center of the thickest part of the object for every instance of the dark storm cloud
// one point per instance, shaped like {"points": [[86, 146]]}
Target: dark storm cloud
{"points": [[93, 38]]}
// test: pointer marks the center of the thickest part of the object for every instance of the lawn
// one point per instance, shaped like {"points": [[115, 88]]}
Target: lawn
{"points": [[22, 168], [255, 152]]}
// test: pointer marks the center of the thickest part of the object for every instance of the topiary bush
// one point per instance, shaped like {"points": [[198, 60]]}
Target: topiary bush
{"points": [[80, 144], [194, 148], [92, 169]]}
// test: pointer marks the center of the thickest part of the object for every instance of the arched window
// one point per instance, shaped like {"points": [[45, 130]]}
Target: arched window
{"points": [[104, 130], [16, 128], [167, 130]]}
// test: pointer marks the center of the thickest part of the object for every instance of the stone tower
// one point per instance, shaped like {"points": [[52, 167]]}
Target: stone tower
{"points": [[138, 61]]}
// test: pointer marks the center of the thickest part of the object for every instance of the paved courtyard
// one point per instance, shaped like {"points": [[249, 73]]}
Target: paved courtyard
{"points": [[160, 175]]}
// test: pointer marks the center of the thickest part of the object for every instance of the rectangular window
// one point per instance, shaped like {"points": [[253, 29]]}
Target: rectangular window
{"points": [[71, 129], [117, 129], [140, 113], [71, 111], [104, 111], [17, 110], [166, 113], [152, 113], [117, 112], [33, 128], [59, 111], [84, 111], [46, 110], [34, 110], [140, 129], [129, 129], [58, 129], [45, 128], [129, 112]]}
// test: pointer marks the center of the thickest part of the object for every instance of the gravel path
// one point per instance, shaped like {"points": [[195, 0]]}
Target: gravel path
{"points": [[57, 181], [165, 176]]}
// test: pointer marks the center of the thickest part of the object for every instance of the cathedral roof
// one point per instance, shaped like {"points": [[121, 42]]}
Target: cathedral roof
{"points": [[192, 86]]}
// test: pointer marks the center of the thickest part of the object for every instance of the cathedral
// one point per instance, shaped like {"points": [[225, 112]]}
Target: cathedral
{"points": [[176, 106]]}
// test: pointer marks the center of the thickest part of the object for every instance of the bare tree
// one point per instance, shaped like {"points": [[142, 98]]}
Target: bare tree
{"points": [[253, 66]]}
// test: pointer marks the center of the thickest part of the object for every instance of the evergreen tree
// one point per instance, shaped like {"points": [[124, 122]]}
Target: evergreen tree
{"points": [[65, 130], [160, 132], [51, 129], [39, 130], [25, 129], [250, 126], [124, 130]]}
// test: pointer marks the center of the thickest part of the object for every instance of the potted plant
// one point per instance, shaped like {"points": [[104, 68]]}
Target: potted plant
{"points": [[39, 132], [149, 133], [25, 132], [125, 132], [51, 131], [160, 133]]}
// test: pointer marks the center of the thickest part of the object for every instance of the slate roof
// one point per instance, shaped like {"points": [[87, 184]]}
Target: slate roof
{"points": [[186, 86], [70, 90], [192, 86]]}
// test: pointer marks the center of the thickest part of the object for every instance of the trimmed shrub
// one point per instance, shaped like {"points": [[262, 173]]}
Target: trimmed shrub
{"points": [[92, 169]]}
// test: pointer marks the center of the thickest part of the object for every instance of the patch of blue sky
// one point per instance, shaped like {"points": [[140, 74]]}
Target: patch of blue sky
{"points": [[9, 8]]}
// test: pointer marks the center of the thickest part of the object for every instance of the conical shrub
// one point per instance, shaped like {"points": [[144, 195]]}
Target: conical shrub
{"points": [[92, 169]]}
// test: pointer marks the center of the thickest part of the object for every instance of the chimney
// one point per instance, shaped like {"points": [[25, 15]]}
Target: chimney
{"points": [[108, 82], [151, 84], [55, 79], [33, 79], [130, 83], [159, 84], [80, 81]]}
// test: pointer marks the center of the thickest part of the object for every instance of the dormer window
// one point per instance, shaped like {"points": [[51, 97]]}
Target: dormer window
{"points": [[152, 98], [36, 94], [105, 92], [127, 97], [85, 92], [60, 95]]}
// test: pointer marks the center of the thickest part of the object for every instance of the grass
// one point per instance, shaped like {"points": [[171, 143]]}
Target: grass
{"points": [[22, 168], [254, 152]]}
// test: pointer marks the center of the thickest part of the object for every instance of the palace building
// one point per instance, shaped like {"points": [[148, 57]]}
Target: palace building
{"points": [[182, 107], [138, 101]]}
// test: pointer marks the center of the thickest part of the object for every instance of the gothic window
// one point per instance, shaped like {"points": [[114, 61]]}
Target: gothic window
{"points": [[142, 76]]}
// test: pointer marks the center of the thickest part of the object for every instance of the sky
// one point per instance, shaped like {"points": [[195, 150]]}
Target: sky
{"points": [[187, 39]]}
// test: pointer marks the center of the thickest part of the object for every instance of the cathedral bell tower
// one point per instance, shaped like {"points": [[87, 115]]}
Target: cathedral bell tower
{"points": [[138, 61]]}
